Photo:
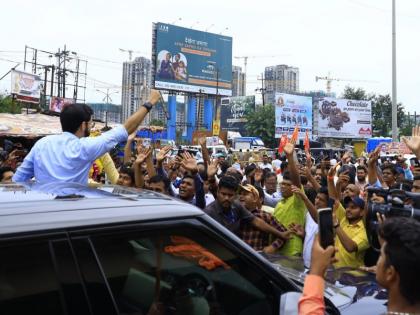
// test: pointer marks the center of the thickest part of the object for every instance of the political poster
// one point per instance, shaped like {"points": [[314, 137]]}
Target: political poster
{"points": [[233, 112], [26, 86], [342, 118], [291, 111]]}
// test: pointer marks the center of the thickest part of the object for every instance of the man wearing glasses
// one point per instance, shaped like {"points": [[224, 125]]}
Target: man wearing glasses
{"points": [[68, 156]]}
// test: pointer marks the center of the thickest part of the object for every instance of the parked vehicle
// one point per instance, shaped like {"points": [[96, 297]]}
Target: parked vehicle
{"points": [[247, 143], [69, 249]]}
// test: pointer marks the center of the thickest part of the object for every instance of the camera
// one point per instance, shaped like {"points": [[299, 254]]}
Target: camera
{"points": [[396, 203]]}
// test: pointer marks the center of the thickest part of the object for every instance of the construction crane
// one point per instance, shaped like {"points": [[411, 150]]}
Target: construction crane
{"points": [[329, 80], [130, 52]]}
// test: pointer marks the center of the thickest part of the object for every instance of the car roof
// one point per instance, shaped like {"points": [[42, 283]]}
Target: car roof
{"points": [[32, 207]]}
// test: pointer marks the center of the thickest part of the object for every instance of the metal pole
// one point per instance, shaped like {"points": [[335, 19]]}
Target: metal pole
{"points": [[394, 77]]}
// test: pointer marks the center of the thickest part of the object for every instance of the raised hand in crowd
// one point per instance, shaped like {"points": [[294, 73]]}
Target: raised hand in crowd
{"points": [[127, 148], [372, 163], [212, 169], [414, 142], [142, 154], [162, 154], [189, 163]]}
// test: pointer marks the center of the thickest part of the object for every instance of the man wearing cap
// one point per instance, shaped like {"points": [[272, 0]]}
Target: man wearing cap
{"points": [[252, 200], [351, 239]]}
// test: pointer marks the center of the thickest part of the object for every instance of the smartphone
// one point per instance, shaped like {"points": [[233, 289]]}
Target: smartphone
{"points": [[325, 225]]}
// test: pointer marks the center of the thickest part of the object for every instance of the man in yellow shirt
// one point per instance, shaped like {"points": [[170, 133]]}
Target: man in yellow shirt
{"points": [[351, 238], [291, 209]]}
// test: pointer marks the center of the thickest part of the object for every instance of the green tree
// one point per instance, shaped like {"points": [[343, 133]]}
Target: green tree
{"points": [[157, 122], [381, 110], [261, 124], [7, 105]]}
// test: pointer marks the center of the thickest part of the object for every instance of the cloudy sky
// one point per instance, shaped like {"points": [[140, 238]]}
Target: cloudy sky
{"points": [[351, 39]]}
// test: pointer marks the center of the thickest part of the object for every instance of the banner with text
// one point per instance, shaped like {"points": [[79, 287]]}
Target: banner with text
{"points": [[342, 118], [233, 112], [292, 111]]}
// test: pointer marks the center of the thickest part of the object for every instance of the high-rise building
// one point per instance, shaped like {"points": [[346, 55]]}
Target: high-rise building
{"points": [[280, 79], [238, 81], [109, 113], [136, 84]]}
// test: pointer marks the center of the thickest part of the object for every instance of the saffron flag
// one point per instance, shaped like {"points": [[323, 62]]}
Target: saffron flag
{"points": [[283, 141], [306, 142], [295, 135]]}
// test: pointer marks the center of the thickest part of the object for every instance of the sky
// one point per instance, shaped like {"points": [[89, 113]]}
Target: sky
{"points": [[350, 39]]}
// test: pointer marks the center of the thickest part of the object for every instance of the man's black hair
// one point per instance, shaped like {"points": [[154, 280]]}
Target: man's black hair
{"points": [[228, 182], [260, 192], [286, 175], [361, 167], [402, 250], [129, 171], [269, 175], [3, 170], [72, 116], [249, 168], [310, 193], [390, 167], [159, 178], [284, 165]]}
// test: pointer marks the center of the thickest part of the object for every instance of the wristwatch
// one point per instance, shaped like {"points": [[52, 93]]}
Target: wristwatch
{"points": [[148, 106], [337, 225]]}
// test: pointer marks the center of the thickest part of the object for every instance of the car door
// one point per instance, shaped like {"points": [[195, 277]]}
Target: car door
{"points": [[170, 267], [38, 275]]}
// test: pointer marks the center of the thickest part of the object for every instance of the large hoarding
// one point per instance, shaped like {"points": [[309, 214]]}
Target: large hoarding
{"points": [[57, 104], [26, 86], [191, 61], [292, 111], [233, 111], [342, 118]]}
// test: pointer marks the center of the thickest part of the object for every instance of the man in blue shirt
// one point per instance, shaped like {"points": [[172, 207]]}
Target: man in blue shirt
{"points": [[67, 157]]}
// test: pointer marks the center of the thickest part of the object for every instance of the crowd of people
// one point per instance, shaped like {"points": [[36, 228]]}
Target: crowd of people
{"points": [[272, 205]]}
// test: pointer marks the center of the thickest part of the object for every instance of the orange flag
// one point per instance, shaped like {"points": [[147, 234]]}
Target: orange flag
{"points": [[282, 143], [295, 135], [306, 142]]}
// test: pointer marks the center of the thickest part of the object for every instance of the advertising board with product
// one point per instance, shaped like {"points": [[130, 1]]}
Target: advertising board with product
{"points": [[191, 61], [26, 86], [342, 118], [233, 111], [291, 111]]}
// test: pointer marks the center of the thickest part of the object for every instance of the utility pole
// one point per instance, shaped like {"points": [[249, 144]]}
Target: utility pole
{"points": [[394, 77], [262, 89]]}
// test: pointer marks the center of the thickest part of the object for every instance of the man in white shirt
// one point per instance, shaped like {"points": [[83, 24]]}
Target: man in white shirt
{"points": [[67, 157], [265, 163]]}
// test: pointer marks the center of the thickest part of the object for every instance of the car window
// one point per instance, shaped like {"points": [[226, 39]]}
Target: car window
{"points": [[181, 272], [28, 281]]}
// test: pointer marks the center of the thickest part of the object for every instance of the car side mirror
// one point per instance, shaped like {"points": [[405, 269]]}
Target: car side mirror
{"points": [[289, 303]]}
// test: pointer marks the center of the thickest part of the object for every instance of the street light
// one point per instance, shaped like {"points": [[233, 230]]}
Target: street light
{"points": [[107, 97]]}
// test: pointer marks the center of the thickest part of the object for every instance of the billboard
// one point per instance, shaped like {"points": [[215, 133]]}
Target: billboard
{"points": [[233, 111], [292, 111], [191, 61], [342, 118], [58, 103], [26, 86]]}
